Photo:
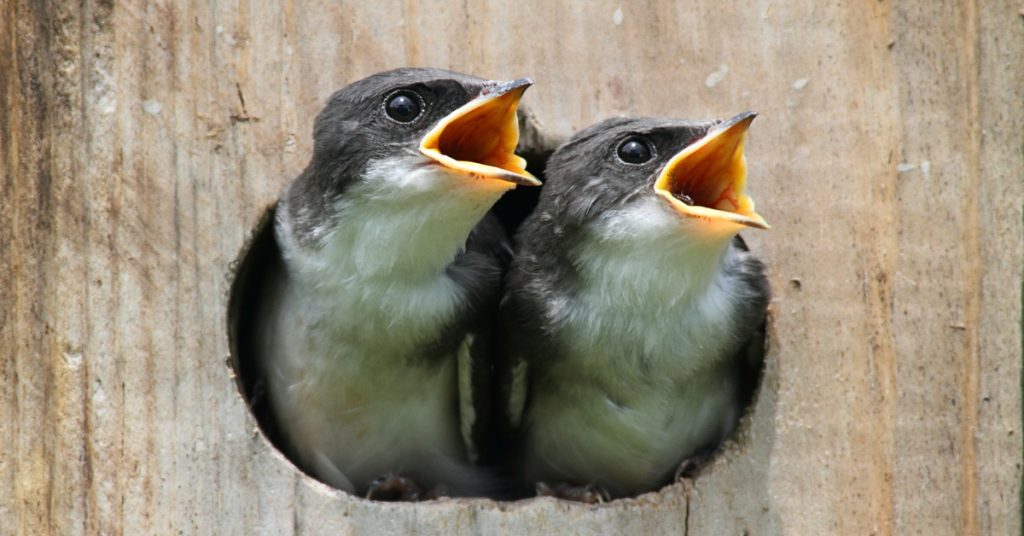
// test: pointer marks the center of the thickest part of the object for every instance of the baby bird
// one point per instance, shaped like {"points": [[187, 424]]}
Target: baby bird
{"points": [[629, 304], [375, 331]]}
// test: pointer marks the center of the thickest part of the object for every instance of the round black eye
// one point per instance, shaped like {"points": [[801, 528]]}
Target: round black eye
{"points": [[403, 106], [635, 150]]}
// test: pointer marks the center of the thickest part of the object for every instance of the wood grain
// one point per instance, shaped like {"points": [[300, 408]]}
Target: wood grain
{"points": [[140, 142]]}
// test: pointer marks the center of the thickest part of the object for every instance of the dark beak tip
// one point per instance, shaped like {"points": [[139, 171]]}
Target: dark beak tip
{"points": [[501, 88], [743, 117], [746, 117]]}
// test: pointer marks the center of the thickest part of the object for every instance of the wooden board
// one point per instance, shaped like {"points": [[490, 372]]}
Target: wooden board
{"points": [[140, 143]]}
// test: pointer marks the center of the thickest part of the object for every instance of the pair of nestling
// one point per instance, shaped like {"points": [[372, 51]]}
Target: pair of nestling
{"points": [[410, 351]]}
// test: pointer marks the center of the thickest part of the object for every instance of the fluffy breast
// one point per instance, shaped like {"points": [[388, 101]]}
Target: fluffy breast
{"points": [[355, 373], [642, 378]]}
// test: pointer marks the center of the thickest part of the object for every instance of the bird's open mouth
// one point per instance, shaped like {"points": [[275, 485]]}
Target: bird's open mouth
{"points": [[480, 137], [707, 179]]}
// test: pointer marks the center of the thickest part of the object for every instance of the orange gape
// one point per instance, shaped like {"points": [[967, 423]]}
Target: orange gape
{"points": [[707, 179], [480, 138]]}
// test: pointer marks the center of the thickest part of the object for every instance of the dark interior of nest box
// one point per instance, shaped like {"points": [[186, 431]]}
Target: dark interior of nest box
{"points": [[261, 257]]}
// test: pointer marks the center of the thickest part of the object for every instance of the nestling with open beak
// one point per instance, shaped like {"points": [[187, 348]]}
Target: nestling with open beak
{"points": [[629, 306], [371, 335]]}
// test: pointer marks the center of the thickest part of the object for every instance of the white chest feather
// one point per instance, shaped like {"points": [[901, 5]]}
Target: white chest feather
{"points": [[378, 278], [346, 374], [637, 386], [650, 296]]}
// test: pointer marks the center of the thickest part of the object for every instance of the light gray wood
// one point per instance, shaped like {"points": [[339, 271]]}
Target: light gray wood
{"points": [[140, 143]]}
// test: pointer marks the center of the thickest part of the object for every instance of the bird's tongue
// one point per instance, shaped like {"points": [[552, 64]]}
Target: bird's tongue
{"points": [[707, 179]]}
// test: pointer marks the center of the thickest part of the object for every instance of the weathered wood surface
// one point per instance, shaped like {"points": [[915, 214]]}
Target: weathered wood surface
{"points": [[140, 142]]}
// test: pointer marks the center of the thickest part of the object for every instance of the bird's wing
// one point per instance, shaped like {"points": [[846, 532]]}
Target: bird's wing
{"points": [[481, 267], [468, 414], [515, 401], [749, 358], [512, 386], [512, 364]]}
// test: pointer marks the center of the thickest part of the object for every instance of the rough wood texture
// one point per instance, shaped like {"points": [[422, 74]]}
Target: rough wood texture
{"points": [[141, 142]]}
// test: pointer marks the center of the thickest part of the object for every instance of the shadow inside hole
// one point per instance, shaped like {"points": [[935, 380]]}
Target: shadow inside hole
{"points": [[536, 147], [751, 365], [517, 204], [260, 262]]}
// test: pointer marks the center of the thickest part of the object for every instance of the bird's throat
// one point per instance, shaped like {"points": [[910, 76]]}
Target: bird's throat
{"points": [[403, 221], [641, 253]]}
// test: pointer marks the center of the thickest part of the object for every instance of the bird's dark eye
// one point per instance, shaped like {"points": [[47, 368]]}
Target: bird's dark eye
{"points": [[635, 150], [403, 106]]}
